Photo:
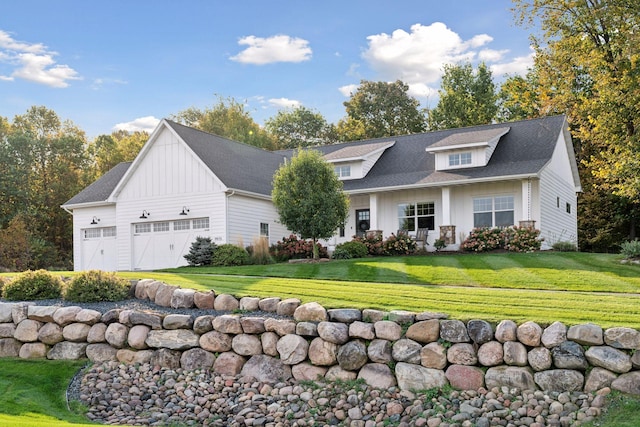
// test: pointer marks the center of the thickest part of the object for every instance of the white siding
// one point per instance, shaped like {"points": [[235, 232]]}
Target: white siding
{"points": [[557, 188], [478, 158], [245, 215], [82, 218]]}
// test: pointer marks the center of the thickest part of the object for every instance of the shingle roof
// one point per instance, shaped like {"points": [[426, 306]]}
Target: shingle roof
{"points": [[100, 190], [355, 151], [470, 137]]}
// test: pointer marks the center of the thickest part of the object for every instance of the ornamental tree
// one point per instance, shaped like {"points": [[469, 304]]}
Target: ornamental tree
{"points": [[308, 197]]}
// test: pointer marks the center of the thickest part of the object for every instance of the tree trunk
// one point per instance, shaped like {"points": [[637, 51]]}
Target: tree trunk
{"points": [[316, 254]]}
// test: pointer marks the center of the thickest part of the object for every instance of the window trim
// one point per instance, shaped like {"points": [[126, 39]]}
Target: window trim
{"points": [[464, 158], [342, 171], [416, 206], [493, 211], [263, 226]]}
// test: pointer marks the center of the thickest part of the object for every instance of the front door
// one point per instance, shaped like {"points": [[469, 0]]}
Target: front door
{"points": [[363, 223]]}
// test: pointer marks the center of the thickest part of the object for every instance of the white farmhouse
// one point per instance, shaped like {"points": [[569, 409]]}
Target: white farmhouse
{"points": [[186, 183]]}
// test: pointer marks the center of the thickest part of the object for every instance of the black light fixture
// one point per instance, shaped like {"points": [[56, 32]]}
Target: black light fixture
{"points": [[95, 220], [145, 214], [184, 210]]}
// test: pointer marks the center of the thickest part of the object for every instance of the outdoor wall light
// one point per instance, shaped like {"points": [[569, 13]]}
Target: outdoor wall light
{"points": [[184, 210], [95, 220], [145, 214]]}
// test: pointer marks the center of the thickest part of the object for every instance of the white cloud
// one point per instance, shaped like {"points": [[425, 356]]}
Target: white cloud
{"points": [[491, 55], [518, 65], [99, 83], [284, 103], [34, 62], [348, 89], [421, 90], [146, 124], [280, 48]]}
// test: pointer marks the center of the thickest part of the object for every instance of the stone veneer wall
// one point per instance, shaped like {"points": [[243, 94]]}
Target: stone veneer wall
{"points": [[271, 339]]}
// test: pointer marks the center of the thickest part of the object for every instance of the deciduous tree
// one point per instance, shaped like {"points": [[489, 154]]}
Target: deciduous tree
{"points": [[298, 128]]}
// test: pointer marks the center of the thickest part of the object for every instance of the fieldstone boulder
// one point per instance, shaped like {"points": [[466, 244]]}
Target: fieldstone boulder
{"points": [[6, 309], [635, 360], [287, 307], [27, 330], [137, 337], [266, 369], [609, 358], [269, 342], [153, 321], [529, 333], [415, 377], [250, 303], [597, 379], [490, 354], [425, 331], [372, 315], [433, 355], [90, 317], [334, 332], [140, 291], [246, 345], [586, 334], [66, 315], [479, 331], [362, 330], [177, 321], [203, 324], [99, 353], [116, 335], [464, 377], [41, 313], [292, 349], [462, 354], [226, 302], [183, 298], [229, 363], [379, 351], [20, 311], [454, 331], [166, 358], [376, 375], [152, 289], [51, 333], [281, 327], [252, 325], [559, 380], [406, 350], [269, 304], [8, 329], [197, 358], [66, 350], [204, 300], [174, 339], [387, 330], [323, 353], [227, 324], [352, 355], [344, 315], [9, 347], [164, 294], [76, 332], [308, 372], [507, 330], [124, 317], [628, 383], [131, 357], [402, 317], [569, 355], [33, 350], [554, 335], [539, 358], [96, 333], [510, 376], [625, 338], [111, 316], [215, 342], [515, 353], [336, 373], [307, 329]]}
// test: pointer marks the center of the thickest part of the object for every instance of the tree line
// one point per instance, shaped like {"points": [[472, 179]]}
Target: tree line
{"points": [[587, 65]]}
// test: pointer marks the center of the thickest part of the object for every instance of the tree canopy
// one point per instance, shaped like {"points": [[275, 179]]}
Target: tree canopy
{"points": [[298, 128], [308, 197]]}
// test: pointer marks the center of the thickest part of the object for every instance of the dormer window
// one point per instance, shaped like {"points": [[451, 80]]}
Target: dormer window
{"points": [[460, 159], [343, 171]]}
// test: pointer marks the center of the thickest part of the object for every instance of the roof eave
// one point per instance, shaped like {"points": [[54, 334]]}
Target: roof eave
{"points": [[87, 205]]}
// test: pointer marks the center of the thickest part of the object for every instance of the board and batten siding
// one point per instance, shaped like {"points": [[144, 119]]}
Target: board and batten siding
{"points": [[82, 217], [557, 189], [244, 217]]}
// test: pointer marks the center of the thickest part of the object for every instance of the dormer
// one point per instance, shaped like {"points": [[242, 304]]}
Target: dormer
{"points": [[354, 161], [466, 149]]}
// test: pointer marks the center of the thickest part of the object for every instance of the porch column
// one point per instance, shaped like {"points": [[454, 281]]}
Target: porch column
{"points": [[447, 230], [526, 199], [373, 212]]}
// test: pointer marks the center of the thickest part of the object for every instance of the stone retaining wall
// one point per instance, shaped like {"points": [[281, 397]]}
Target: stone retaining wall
{"points": [[271, 339]]}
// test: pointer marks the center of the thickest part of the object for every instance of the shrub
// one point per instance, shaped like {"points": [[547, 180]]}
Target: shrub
{"points": [[201, 252], [373, 242], [353, 248], [439, 244], [482, 240], [33, 285], [96, 286], [631, 249], [341, 253], [293, 248], [564, 246], [521, 239], [259, 251], [230, 255], [515, 239], [401, 244]]}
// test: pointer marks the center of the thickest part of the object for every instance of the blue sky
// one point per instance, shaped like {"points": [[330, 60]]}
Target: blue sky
{"points": [[118, 64]]}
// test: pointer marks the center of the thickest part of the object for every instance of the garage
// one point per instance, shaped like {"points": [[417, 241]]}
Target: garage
{"points": [[163, 244], [99, 249]]}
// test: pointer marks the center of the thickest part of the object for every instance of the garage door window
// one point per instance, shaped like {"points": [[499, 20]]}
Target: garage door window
{"points": [[184, 224], [109, 232], [92, 233], [142, 228], [200, 223], [160, 226]]}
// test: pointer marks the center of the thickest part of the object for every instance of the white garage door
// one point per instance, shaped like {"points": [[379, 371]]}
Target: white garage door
{"points": [[99, 249], [163, 244]]}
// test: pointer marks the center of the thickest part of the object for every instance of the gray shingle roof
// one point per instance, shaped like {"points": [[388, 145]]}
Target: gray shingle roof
{"points": [[355, 151], [100, 190], [470, 137]]}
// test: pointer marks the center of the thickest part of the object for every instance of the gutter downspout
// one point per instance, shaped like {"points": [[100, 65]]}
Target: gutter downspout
{"points": [[226, 215]]}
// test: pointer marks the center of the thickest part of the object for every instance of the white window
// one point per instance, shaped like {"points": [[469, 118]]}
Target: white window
{"points": [[264, 229], [200, 223], [109, 232], [343, 171], [183, 224], [160, 227], [568, 208], [142, 228], [493, 211], [459, 159], [92, 233], [412, 216]]}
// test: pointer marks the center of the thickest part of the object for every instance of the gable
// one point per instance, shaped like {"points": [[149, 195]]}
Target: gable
{"points": [[470, 148]]}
